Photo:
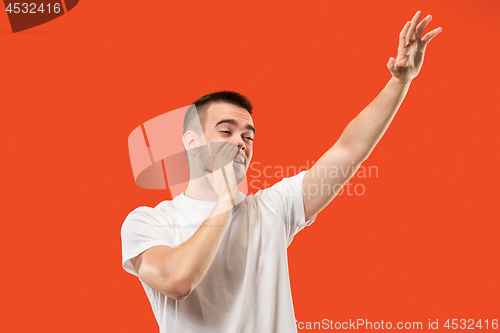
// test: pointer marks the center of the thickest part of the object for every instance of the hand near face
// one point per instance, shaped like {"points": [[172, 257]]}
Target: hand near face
{"points": [[223, 179], [411, 48]]}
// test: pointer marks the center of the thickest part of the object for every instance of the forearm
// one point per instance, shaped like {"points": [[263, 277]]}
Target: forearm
{"points": [[363, 133], [189, 262]]}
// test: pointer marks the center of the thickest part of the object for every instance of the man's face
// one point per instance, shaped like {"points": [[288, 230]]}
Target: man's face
{"points": [[224, 122]]}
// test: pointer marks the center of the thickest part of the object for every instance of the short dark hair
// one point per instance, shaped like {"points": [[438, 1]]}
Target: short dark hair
{"points": [[203, 103]]}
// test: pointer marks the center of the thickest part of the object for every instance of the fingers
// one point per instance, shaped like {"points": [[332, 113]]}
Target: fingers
{"points": [[402, 35], [430, 35], [224, 172], [226, 154], [412, 30], [231, 154], [421, 26], [226, 147]]}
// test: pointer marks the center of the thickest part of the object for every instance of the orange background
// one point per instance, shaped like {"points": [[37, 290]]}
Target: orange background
{"points": [[421, 243]]}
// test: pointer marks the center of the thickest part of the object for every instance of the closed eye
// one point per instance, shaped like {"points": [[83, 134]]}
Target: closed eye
{"points": [[227, 132]]}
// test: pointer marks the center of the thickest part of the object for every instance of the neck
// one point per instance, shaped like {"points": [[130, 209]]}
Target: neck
{"points": [[201, 189]]}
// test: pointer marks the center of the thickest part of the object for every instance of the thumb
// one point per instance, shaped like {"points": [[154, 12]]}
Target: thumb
{"points": [[391, 64], [393, 67]]}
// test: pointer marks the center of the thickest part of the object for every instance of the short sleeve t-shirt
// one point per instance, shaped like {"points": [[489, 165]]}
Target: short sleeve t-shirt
{"points": [[247, 287]]}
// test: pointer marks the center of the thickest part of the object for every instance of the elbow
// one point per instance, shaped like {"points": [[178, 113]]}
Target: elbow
{"points": [[179, 288], [355, 153], [182, 291], [360, 155]]}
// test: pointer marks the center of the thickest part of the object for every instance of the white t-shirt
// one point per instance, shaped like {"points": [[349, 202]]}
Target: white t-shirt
{"points": [[247, 287]]}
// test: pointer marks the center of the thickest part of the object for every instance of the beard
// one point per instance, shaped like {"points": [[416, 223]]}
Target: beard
{"points": [[203, 157]]}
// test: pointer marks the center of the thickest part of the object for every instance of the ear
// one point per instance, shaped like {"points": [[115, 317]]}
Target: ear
{"points": [[189, 142]]}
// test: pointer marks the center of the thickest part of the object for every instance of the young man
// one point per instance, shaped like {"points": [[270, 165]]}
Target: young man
{"points": [[215, 260]]}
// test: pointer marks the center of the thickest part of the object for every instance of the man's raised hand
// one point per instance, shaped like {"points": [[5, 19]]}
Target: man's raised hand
{"points": [[224, 179], [411, 48]]}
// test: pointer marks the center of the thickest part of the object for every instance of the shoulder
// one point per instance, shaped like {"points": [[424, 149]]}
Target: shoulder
{"points": [[288, 186], [145, 215], [141, 212]]}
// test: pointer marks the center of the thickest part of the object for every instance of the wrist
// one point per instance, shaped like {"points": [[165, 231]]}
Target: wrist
{"points": [[225, 198], [226, 201], [394, 81]]}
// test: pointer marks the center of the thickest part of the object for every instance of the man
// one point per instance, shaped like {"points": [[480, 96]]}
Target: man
{"points": [[213, 259]]}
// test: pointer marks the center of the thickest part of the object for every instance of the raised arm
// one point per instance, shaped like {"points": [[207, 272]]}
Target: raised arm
{"points": [[334, 169]]}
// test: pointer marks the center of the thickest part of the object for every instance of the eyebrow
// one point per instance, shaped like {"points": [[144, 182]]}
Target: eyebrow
{"points": [[233, 122]]}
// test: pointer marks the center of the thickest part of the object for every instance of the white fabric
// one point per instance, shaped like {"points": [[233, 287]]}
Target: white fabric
{"points": [[247, 287]]}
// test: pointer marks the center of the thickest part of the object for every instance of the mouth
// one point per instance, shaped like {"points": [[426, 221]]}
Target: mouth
{"points": [[239, 160]]}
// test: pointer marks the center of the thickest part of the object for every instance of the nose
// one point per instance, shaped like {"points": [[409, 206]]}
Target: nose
{"points": [[241, 143]]}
